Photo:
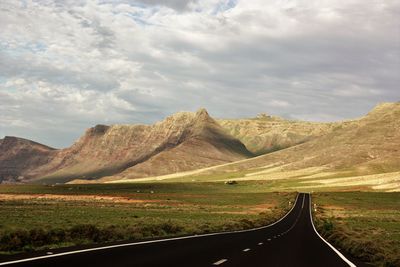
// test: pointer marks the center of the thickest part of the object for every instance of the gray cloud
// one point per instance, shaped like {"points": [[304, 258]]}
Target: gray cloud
{"points": [[179, 5], [66, 65]]}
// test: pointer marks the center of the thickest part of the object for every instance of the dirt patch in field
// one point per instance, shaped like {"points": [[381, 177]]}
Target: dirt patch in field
{"points": [[88, 198], [262, 207], [256, 209], [382, 181], [335, 211], [172, 195], [332, 207]]}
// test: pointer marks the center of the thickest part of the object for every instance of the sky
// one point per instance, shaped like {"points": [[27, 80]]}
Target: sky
{"points": [[68, 65]]}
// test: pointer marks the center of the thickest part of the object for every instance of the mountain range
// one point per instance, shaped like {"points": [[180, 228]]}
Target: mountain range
{"points": [[183, 141], [189, 141]]}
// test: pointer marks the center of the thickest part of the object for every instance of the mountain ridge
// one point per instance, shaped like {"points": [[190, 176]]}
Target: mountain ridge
{"points": [[107, 150], [359, 152], [188, 141]]}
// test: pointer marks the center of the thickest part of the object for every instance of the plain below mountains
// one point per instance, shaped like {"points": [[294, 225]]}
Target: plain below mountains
{"points": [[193, 141]]}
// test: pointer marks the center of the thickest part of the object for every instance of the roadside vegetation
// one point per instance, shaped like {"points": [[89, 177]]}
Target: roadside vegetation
{"points": [[36, 217], [364, 224]]}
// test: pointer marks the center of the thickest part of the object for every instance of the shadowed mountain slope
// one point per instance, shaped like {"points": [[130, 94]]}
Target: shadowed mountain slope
{"points": [[201, 142], [20, 157]]}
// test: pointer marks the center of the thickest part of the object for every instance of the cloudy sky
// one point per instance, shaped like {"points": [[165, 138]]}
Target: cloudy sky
{"points": [[67, 65]]}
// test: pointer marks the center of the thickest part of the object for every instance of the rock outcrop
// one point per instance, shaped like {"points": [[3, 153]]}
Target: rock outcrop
{"points": [[20, 157], [265, 134]]}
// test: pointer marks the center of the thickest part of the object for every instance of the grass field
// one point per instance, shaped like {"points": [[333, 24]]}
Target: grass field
{"points": [[365, 224], [41, 217]]}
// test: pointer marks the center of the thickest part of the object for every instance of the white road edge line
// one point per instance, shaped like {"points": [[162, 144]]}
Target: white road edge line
{"points": [[246, 249], [146, 242], [220, 262], [332, 247]]}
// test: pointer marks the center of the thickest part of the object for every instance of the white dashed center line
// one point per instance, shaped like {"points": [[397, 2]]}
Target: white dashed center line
{"points": [[269, 239], [245, 250], [220, 262], [260, 243]]}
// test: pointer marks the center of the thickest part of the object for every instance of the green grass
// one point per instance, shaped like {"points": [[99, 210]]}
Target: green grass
{"points": [[155, 210], [140, 188], [365, 224]]}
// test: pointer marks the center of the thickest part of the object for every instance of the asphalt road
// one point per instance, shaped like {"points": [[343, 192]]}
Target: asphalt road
{"points": [[292, 241]]}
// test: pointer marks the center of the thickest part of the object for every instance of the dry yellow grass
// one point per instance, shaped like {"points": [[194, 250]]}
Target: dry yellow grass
{"points": [[384, 181]]}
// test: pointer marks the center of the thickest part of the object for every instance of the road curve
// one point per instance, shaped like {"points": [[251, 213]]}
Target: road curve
{"points": [[292, 241]]}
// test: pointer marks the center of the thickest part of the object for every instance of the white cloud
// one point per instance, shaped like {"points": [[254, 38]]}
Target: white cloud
{"points": [[279, 103], [66, 65], [356, 91]]}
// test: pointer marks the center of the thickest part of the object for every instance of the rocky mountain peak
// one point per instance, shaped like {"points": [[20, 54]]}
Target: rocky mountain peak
{"points": [[202, 115], [99, 129], [17, 143], [9, 140], [183, 119], [202, 112]]}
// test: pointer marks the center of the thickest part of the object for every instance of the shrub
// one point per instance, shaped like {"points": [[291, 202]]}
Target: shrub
{"points": [[171, 228], [85, 231], [14, 241], [327, 226], [38, 237]]}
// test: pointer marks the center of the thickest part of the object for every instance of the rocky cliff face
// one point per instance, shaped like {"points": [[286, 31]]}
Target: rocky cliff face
{"points": [[181, 142], [198, 141], [19, 157], [265, 134]]}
